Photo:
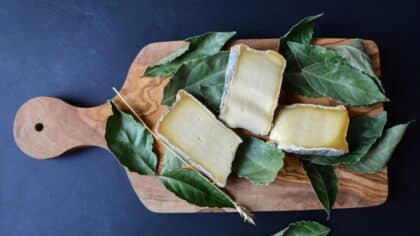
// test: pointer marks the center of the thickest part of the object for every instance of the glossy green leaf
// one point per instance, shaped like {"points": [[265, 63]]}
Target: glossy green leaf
{"points": [[377, 157], [362, 134], [324, 183], [303, 55], [343, 83], [344, 75], [212, 95], [258, 161], [170, 162], [130, 142], [304, 228], [334, 76], [355, 54], [198, 47], [306, 55], [294, 81], [195, 189], [203, 78], [301, 32], [328, 74]]}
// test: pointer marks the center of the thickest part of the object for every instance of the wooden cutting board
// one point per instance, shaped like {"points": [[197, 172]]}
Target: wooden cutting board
{"points": [[47, 127]]}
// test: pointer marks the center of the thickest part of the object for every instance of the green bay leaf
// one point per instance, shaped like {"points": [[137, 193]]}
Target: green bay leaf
{"points": [[257, 161], [303, 55], [195, 189], [362, 134], [198, 47], [343, 83], [170, 162], [301, 32], [212, 95], [130, 142], [355, 54], [306, 55], [324, 183], [377, 157], [203, 78], [295, 82], [304, 228]]}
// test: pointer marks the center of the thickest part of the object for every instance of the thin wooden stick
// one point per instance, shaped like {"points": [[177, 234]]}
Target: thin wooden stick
{"points": [[134, 112], [243, 212]]}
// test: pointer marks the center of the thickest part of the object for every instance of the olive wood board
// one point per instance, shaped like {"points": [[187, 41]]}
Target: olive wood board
{"points": [[47, 127]]}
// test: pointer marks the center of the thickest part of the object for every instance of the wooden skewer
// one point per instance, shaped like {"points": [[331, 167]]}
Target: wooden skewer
{"points": [[243, 212]]}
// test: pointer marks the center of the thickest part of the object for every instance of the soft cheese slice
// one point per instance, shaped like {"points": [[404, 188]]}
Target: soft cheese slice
{"points": [[198, 137], [252, 87], [311, 129]]}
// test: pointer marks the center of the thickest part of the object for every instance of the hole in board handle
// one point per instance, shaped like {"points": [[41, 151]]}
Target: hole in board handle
{"points": [[39, 127]]}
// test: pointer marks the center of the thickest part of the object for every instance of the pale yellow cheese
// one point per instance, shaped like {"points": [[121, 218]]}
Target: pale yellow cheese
{"points": [[252, 87], [311, 129], [199, 138]]}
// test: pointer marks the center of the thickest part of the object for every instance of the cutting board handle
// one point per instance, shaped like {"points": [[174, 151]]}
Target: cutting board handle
{"points": [[47, 127]]}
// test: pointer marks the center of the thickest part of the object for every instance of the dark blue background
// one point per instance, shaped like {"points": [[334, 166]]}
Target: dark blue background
{"points": [[78, 50]]}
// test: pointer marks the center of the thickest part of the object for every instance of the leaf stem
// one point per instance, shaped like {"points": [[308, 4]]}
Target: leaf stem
{"points": [[242, 211]]}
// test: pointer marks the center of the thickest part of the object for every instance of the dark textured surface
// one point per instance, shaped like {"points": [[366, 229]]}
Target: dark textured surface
{"points": [[78, 50]]}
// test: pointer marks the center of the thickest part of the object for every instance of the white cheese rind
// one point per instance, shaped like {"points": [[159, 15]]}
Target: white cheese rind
{"points": [[253, 81], [194, 133], [314, 151], [311, 129]]}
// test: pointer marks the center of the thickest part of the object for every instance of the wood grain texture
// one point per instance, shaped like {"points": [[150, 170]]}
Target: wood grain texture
{"points": [[66, 128]]}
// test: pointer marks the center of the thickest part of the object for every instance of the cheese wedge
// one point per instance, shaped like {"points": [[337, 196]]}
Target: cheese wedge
{"points": [[252, 87], [311, 129], [192, 131]]}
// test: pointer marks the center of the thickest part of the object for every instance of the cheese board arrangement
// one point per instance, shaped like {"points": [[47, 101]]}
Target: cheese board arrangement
{"points": [[213, 124]]}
